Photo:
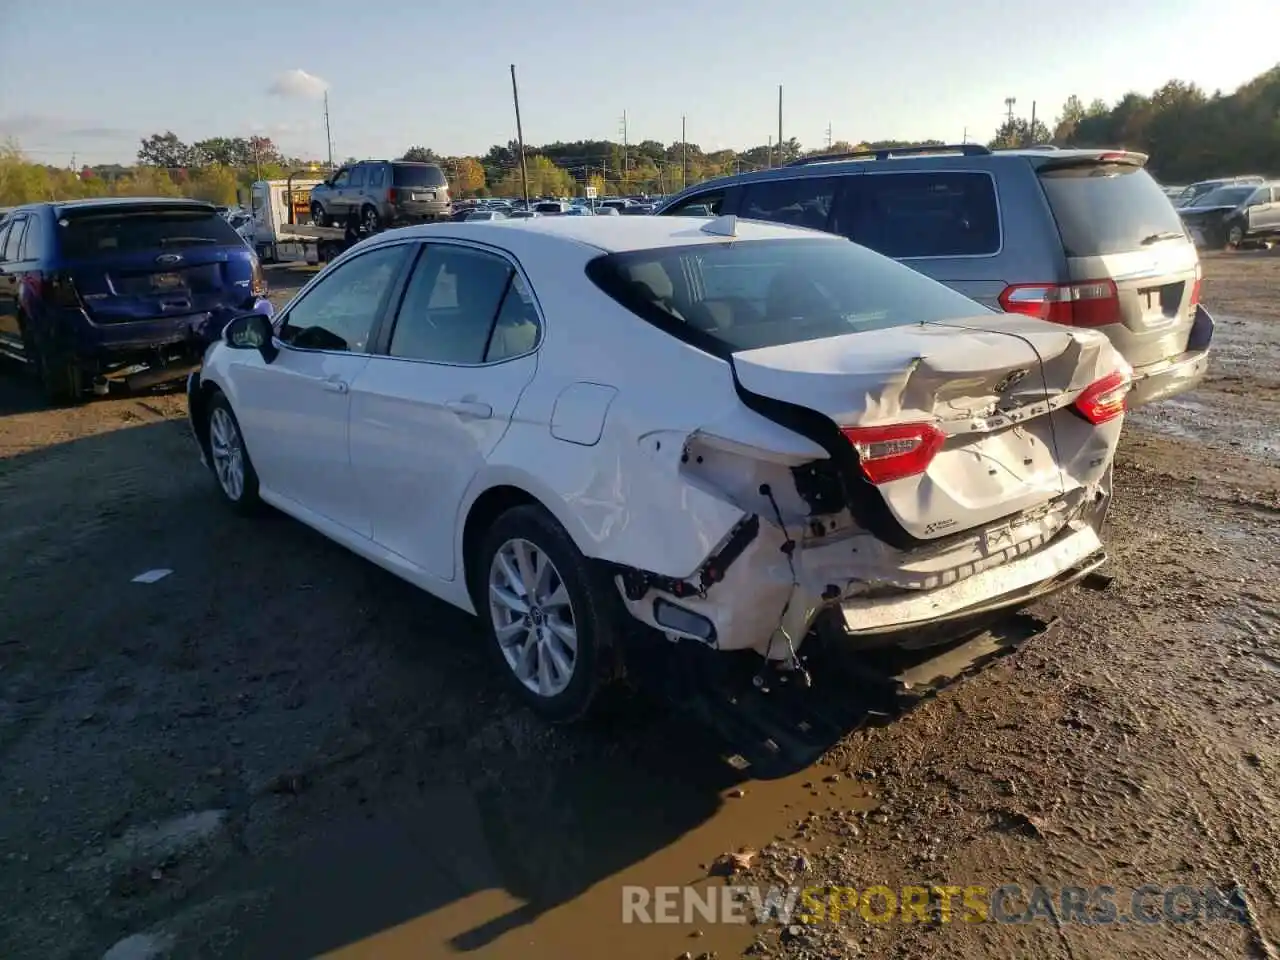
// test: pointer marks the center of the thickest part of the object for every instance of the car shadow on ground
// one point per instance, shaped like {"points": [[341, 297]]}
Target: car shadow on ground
{"points": [[368, 762]]}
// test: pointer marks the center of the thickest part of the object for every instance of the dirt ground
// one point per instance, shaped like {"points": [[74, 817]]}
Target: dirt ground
{"points": [[278, 750]]}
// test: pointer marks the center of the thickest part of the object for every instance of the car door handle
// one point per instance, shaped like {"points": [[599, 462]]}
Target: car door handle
{"points": [[336, 386], [471, 408]]}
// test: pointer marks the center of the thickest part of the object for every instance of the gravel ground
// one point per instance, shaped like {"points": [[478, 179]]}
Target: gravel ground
{"points": [[278, 750]]}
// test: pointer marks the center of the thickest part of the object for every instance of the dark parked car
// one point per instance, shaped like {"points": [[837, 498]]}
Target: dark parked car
{"points": [[91, 289], [384, 193], [1231, 216]]}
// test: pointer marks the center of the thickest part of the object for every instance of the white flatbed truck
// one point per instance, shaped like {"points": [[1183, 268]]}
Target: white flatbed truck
{"points": [[280, 230]]}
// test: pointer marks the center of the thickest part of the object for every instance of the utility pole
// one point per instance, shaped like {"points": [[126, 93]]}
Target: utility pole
{"points": [[1008, 106], [624, 151], [964, 137], [780, 163], [328, 137], [1031, 130], [828, 134], [769, 152], [684, 146], [524, 173]]}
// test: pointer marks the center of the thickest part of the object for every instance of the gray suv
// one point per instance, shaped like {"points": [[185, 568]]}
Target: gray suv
{"points": [[1084, 238], [383, 193]]}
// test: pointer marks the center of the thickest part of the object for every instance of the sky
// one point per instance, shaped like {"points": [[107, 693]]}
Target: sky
{"points": [[436, 74]]}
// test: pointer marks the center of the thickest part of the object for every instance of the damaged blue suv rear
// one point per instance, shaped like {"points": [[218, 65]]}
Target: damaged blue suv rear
{"points": [[124, 290]]}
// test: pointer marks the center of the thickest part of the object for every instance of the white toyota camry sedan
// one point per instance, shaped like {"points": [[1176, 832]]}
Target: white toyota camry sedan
{"points": [[707, 431]]}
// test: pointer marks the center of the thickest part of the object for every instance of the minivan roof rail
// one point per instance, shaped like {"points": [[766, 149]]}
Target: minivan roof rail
{"points": [[965, 149]]}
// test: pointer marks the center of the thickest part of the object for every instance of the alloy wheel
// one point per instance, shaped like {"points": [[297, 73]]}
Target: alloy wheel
{"points": [[227, 451], [533, 618]]}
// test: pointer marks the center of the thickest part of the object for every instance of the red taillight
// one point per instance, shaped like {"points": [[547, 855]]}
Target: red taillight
{"points": [[1104, 399], [1093, 303], [391, 195], [1195, 287], [895, 451]]}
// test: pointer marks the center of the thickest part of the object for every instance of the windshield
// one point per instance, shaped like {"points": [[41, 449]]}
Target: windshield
{"points": [[418, 175], [108, 232], [762, 293], [1225, 197], [1104, 208]]}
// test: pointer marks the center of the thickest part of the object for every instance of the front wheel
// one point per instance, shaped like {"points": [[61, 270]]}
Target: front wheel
{"points": [[1235, 235], [229, 459], [551, 617], [317, 216]]}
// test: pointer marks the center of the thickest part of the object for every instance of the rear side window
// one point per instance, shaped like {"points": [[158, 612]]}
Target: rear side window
{"points": [[925, 214], [418, 175], [107, 232], [1104, 208], [9, 252], [802, 202], [762, 293], [357, 177], [33, 242], [377, 176]]}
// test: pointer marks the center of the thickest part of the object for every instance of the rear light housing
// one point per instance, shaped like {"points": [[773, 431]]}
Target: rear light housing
{"points": [[1195, 286], [391, 195], [1092, 303], [57, 289], [258, 280], [895, 451], [1104, 399]]}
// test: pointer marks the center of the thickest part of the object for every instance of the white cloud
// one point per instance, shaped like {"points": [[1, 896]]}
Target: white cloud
{"points": [[299, 84]]}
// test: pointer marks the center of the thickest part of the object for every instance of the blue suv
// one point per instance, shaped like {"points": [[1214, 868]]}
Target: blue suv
{"points": [[93, 290]]}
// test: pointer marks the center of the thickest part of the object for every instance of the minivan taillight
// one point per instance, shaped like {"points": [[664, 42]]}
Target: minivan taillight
{"points": [[1195, 286], [1093, 303], [391, 195], [895, 451], [1104, 399]]}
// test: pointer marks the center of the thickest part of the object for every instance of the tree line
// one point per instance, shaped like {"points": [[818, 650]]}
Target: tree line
{"points": [[1188, 134]]}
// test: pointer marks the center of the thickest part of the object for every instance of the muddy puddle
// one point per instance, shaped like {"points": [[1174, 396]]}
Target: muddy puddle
{"points": [[1235, 409]]}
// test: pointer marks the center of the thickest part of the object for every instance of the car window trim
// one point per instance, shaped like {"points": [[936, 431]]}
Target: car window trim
{"points": [[995, 193], [382, 343], [396, 287]]}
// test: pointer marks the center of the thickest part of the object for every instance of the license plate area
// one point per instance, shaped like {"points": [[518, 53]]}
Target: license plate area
{"points": [[423, 196], [167, 282], [1163, 301]]}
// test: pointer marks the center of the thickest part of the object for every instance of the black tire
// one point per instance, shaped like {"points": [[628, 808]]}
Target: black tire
{"points": [[244, 497], [593, 602], [1235, 235], [317, 216], [370, 220], [60, 377]]}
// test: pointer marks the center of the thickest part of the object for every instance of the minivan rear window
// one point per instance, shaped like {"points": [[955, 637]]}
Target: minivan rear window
{"points": [[762, 293], [418, 175], [926, 213], [1104, 208], [104, 232]]}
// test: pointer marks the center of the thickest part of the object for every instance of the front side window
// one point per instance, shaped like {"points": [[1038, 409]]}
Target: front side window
{"points": [[700, 205], [339, 312], [763, 293], [455, 309], [343, 178], [357, 177], [925, 214], [798, 202]]}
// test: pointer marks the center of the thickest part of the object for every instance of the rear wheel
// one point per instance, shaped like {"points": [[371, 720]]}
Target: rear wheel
{"points": [[552, 618], [228, 457], [60, 377], [317, 216], [370, 220]]}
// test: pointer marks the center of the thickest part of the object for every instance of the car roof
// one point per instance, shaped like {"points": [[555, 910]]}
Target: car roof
{"points": [[608, 234]]}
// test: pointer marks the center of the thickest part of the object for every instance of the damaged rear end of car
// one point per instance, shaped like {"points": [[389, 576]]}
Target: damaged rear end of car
{"points": [[903, 460]]}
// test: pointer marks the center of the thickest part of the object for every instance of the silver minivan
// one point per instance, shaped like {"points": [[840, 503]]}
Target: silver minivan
{"points": [[1079, 237]]}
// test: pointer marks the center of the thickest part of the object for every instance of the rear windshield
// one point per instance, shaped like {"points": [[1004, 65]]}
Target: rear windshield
{"points": [[548, 207], [103, 233], [762, 293], [418, 175], [1104, 208]]}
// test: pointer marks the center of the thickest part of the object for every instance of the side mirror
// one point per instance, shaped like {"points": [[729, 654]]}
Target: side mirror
{"points": [[253, 331]]}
